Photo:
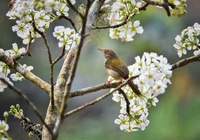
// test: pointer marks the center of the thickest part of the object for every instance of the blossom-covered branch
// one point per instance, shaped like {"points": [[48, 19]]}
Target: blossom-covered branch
{"points": [[26, 124], [24, 72]]}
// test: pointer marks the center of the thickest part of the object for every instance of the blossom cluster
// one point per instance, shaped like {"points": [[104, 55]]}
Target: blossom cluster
{"points": [[123, 10], [32, 16], [5, 70], [4, 128], [178, 9], [67, 37], [188, 40], [154, 74]]}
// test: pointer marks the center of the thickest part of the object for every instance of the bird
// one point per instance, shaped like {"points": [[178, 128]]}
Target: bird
{"points": [[117, 69]]}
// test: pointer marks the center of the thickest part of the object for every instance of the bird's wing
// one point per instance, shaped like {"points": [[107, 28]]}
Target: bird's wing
{"points": [[119, 67]]}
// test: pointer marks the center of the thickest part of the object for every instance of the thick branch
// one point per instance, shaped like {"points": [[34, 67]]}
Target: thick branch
{"points": [[96, 88], [27, 74], [68, 70], [98, 99], [71, 76]]}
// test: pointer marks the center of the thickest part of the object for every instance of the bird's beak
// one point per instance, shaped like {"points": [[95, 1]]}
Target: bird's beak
{"points": [[100, 49]]}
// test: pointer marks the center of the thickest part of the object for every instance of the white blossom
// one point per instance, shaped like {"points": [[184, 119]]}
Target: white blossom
{"points": [[188, 40], [67, 37], [3, 126], [153, 76], [120, 11]]}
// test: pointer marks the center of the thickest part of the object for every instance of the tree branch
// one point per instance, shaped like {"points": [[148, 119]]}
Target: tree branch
{"points": [[84, 91], [59, 57], [74, 9], [98, 99], [50, 62], [127, 101], [66, 75], [185, 61], [71, 76], [164, 4], [70, 20], [27, 74], [96, 88]]}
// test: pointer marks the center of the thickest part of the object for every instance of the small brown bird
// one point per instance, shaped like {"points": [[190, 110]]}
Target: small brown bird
{"points": [[117, 69]]}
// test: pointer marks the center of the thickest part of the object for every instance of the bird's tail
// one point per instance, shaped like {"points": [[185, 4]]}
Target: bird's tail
{"points": [[134, 88]]}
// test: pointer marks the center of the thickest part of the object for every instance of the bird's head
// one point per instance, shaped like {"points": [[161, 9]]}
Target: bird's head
{"points": [[108, 54]]}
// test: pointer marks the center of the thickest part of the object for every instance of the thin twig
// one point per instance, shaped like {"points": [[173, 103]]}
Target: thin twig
{"points": [[164, 4], [185, 61], [97, 99], [29, 44], [87, 104], [70, 20], [74, 9], [59, 57], [127, 101], [28, 101], [50, 61]]}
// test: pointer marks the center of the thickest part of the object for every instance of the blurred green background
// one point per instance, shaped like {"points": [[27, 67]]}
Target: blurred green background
{"points": [[176, 116]]}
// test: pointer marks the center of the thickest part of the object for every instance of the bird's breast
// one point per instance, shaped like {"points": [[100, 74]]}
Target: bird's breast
{"points": [[114, 74]]}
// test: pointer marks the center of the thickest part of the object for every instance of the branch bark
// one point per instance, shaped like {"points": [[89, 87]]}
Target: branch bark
{"points": [[99, 98], [185, 61]]}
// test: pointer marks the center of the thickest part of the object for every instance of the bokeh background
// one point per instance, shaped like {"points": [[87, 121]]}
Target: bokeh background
{"points": [[177, 114]]}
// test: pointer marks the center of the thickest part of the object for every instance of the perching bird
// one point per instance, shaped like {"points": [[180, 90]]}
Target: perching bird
{"points": [[117, 69]]}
